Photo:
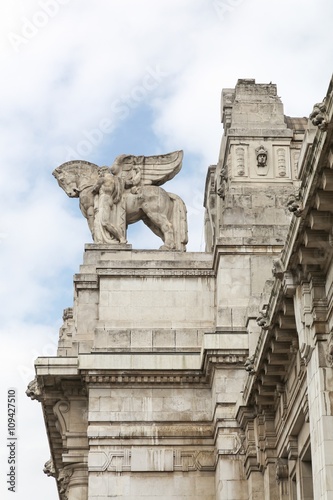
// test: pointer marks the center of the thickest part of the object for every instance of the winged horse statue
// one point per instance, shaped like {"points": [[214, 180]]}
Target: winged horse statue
{"points": [[113, 197]]}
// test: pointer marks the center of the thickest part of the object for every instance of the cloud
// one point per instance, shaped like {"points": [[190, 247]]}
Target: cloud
{"points": [[156, 66]]}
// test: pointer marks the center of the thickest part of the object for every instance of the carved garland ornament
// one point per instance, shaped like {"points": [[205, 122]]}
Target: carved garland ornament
{"points": [[240, 161], [198, 378], [281, 158], [155, 272]]}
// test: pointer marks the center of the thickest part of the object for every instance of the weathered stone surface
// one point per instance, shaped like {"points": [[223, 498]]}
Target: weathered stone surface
{"points": [[202, 375], [128, 191]]}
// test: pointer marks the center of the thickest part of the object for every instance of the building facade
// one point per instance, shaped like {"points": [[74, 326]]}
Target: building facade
{"points": [[209, 375]]}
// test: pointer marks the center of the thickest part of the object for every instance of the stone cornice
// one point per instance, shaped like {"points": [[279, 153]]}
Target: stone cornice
{"points": [[55, 399], [312, 171], [146, 367], [146, 378], [172, 272]]}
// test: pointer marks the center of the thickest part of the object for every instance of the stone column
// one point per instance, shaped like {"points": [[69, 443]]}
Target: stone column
{"points": [[320, 396], [266, 439], [319, 364], [282, 477], [74, 482], [253, 472], [270, 483], [78, 484], [230, 479], [256, 486]]}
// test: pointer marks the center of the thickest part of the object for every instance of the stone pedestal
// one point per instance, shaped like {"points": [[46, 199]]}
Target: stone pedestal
{"points": [[144, 388]]}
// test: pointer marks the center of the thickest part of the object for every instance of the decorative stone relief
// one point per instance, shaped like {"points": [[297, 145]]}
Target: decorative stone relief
{"points": [[261, 155], [319, 115], [281, 162], [67, 327], [282, 472], [239, 444], [228, 98], [61, 411], [277, 270], [128, 191], [295, 163], [223, 179], [240, 161], [152, 460], [294, 204], [282, 476], [63, 479], [249, 364], [227, 117], [34, 391], [49, 469]]}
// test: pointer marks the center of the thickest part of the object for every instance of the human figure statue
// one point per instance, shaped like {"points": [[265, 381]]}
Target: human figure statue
{"points": [[132, 178], [261, 156], [109, 190]]}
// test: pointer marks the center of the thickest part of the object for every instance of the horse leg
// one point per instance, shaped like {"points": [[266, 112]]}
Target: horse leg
{"points": [[89, 214], [161, 221], [114, 232], [90, 219]]}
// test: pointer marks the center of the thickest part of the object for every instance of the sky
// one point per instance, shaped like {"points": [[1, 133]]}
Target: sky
{"points": [[92, 80]]}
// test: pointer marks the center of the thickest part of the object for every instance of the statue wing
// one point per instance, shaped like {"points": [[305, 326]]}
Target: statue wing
{"points": [[155, 170], [159, 169]]}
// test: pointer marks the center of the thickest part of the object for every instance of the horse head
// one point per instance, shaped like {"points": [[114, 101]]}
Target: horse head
{"points": [[67, 181], [74, 176]]}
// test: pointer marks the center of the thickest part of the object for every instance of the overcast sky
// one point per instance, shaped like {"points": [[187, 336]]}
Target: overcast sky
{"points": [[94, 79]]}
